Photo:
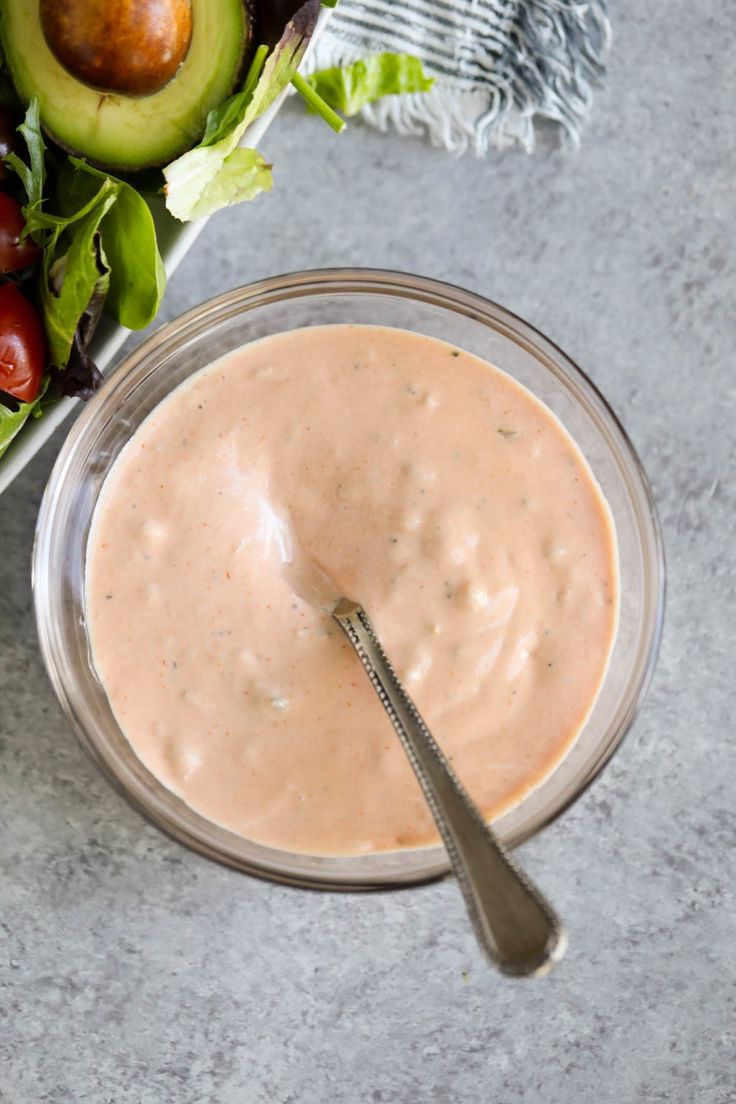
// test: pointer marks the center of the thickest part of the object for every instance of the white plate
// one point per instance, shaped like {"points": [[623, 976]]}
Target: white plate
{"points": [[174, 239]]}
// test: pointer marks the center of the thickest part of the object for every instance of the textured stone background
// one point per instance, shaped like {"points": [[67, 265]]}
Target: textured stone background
{"points": [[132, 972]]}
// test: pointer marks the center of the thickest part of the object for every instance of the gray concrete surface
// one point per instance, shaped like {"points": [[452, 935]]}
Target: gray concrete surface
{"points": [[132, 972]]}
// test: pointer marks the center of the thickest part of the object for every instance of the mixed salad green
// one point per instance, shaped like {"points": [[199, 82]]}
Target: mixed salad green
{"points": [[75, 240]]}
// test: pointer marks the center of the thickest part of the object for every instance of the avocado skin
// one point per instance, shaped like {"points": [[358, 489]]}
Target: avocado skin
{"points": [[130, 133]]}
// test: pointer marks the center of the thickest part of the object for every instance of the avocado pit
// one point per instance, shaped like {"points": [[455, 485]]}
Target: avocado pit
{"points": [[130, 47]]}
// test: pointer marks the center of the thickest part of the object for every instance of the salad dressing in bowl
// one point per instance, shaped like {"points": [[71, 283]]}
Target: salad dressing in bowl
{"points": [[421, 479], [361, 408]]}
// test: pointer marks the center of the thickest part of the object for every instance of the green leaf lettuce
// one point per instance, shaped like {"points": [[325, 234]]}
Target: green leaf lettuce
{"points": [[12, 421], [74, 274], [219, 173], [137, 276], [349, 88], [32, 175]]}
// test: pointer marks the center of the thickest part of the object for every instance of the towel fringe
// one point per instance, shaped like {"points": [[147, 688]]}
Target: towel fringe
{"points": [[554, 57]]}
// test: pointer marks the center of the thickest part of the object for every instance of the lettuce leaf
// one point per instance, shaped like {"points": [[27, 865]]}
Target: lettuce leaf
{"points": [[33, 175], [210, 176], [73, 279], [101, 249], [228, 114], [13, 420], [137, 275], [74, 271], [243, 175], [349, 88]]}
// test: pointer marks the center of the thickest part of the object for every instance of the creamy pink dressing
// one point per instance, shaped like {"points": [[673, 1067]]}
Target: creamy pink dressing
{"points": [[432, 488]]}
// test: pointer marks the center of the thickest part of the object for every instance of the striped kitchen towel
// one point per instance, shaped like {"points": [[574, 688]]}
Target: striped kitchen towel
{"points": [[500, 65]]}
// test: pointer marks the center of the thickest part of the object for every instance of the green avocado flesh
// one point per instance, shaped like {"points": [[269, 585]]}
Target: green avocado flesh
{"points": [[128, 133]]}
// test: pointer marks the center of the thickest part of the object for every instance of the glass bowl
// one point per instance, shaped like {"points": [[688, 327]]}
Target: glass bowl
{"points": [[306, 299]]}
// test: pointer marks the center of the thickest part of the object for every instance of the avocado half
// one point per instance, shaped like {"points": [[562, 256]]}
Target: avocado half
{"points": [[128, 133]]}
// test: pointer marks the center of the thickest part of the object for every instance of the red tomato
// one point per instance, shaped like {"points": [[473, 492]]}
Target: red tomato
{"points": [[22, 345], [14, 253]]}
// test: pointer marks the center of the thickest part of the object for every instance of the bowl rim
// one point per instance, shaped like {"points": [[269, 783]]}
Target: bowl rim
{"points": [[351, 280]]}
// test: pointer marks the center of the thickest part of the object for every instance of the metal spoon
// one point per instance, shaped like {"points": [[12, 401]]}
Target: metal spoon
{"points": [[515, 925]]}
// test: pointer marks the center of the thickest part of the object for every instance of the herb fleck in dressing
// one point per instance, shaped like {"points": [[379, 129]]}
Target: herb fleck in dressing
{"points": [[473, 532]]}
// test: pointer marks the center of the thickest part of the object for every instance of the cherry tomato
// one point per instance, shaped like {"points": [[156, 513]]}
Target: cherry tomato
{"points": [[14, 253], [8, 138], [22, 345]]}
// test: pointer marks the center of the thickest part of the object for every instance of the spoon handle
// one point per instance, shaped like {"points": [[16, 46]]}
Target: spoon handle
{"points": [[514, 924]]}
